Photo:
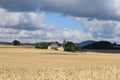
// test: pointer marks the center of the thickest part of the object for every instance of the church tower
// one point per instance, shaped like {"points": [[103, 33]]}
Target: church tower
{"points": [[64, 42]]}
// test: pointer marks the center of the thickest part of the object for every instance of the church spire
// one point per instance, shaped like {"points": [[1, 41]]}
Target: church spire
{"points": [[64, 42]]}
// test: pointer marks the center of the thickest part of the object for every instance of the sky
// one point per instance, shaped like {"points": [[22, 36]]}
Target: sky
{"points": [[54, 20]]}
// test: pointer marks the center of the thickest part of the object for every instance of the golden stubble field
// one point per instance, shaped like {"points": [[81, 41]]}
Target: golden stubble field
{"points": [[28, 63]]}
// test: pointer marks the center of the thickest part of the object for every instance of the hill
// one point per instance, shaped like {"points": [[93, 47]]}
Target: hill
{"points": [[84, 43], [102, 45]]}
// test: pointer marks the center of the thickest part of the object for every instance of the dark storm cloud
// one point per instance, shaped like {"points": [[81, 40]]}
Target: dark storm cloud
{"points": [[19, 5], [99, 9]]}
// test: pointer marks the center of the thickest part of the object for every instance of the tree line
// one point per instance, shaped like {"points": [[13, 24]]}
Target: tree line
{"points": [[70, 46]]}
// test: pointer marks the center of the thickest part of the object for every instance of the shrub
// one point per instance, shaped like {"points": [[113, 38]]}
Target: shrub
{"points": [[42, 45], [16, 43]]}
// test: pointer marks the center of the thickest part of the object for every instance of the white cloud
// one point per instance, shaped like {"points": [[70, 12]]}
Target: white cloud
{"points": [[8, 31], [101, 29], [23, 26], [25, 20], [30, 26], [9, 34], [75, 35]]}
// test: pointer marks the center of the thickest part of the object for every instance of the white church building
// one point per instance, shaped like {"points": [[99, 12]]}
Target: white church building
{"points": [[56, 46]]}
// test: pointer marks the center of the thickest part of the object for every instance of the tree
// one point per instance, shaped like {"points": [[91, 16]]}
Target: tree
{"points": [[69, 46], [16, 43], [114, 43]]}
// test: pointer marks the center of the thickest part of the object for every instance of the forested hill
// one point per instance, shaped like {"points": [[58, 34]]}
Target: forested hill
{"points": [[102, 45]]}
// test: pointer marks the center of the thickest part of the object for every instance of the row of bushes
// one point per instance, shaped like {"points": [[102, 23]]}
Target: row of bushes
{"points": [[42, 45]]}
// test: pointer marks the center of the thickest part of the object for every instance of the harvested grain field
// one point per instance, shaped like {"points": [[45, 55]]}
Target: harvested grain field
{"points": [[24, 63]]}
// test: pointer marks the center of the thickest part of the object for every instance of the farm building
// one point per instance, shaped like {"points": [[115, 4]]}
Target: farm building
{"points": [[57, 46]]}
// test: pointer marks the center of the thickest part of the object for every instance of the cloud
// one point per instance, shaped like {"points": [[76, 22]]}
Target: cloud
{"points": [[23, 20], [92, 9], [100, 29], [19, 5], [99, 9], [75, 35], [8, 31], [9, 34], [99, 18], [30, 27], [23, 26]]}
